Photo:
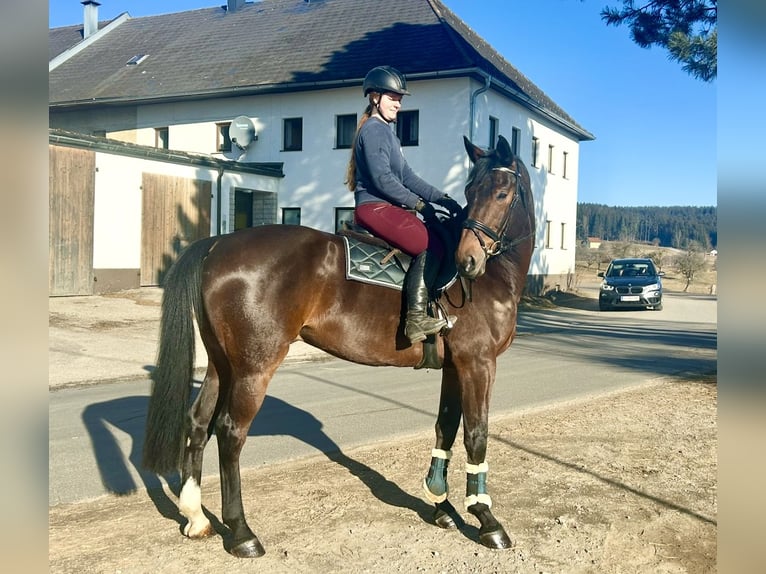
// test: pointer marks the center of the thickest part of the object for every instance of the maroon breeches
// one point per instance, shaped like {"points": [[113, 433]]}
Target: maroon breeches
{"points": [[401, 228]]}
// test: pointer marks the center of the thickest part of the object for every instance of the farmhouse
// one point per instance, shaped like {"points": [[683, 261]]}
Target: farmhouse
{"points": [[259, 102]]}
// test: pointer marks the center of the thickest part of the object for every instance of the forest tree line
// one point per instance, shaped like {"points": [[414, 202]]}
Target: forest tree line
{"points": [[676, 226]]}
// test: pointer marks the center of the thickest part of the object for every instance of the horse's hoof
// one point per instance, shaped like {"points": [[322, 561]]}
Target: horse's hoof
{"points": [[198, 532], [445, 515], [248, 549], [496, 539], [443, 520]]}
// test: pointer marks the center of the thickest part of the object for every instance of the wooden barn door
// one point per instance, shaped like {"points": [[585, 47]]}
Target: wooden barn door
{"points": [[71, 193], [175, 212]]}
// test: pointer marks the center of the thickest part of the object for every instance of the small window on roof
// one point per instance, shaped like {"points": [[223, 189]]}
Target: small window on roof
{"points": [[137, 59]]}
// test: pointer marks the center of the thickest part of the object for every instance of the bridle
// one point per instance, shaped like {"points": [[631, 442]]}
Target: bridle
{"points": [[499, 241]]}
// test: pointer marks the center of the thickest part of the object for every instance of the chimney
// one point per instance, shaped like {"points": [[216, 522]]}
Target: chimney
{"points": [[234, 5], [90, 18]]}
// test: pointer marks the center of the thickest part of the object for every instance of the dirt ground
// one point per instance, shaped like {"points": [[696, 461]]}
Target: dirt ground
{"points": [[620, 483]]}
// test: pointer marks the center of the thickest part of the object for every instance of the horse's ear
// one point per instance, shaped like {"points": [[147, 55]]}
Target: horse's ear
{"points": [[503, 150], [474, 152]]}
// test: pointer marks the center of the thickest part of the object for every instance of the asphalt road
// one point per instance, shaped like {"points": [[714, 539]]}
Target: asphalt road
{"points": [[95, 432]]}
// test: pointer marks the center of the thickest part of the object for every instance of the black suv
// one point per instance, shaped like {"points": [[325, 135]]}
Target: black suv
{"points": [[631, 283]]}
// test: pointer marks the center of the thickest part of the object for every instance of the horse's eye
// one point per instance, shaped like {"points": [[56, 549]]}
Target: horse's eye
{"points": [[502, 195]]}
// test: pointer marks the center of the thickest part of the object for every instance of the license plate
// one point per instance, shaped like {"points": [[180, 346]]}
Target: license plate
{"points": [[630, 298]]}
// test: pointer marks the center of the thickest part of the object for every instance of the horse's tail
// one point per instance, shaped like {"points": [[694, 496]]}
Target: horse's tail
{"points": [[169, 401]]}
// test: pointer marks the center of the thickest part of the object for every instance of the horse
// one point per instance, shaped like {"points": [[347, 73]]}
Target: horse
{"points": [[255, 291]]}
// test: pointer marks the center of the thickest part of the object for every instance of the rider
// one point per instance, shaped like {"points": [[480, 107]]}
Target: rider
{"points": [[385, 189]]}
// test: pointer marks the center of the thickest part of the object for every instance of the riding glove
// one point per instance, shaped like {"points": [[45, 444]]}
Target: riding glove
{"points": [[426, 210], [450, 205]]}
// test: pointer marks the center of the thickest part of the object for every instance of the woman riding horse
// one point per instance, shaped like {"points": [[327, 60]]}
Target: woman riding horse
{"points": [[384, 185]]}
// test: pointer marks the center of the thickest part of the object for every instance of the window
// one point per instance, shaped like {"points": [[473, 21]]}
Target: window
{"points": [[161, 140], [343, 215], [345, 128], [408, 127], [291, 216], [515, 136], [550, 159], [292, 134], [548, 234], [563, 235], [494, 128], [564, 167], [535, 151], [222, 137]]}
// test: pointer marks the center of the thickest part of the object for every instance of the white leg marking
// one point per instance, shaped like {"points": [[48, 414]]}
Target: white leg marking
{"points": [[190, 505]]}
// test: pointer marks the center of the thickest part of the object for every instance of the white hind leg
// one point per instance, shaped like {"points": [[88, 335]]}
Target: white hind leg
{"points": [[190, 505]]}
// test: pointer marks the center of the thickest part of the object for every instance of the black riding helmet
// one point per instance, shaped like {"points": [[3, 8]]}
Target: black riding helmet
{"points": [[385, 79]]}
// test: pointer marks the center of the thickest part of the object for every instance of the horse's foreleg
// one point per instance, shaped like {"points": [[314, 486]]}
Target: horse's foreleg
{"points": [[447, 424], [197, 436], [477, 499]]}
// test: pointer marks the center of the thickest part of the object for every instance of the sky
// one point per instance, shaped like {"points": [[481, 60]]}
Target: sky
{"points": [[655, 126]]}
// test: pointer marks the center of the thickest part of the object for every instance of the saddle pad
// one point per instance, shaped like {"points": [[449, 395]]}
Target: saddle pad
{"points": [[364, 262]]}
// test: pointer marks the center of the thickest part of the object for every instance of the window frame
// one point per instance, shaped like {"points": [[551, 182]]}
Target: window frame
{"points": [[494, 131], [535, 151], [223, 137], [292, 123], [551, 147], [344, 134], [339, 219], [291, 211], [161, 142], [410, 120], [515, 139]]}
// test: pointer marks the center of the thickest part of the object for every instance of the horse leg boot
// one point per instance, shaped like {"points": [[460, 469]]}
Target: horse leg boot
{"points": [[420, 277]]}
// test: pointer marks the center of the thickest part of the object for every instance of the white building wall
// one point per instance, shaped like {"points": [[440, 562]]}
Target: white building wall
{"points": [[118, 203], [314, 176]]}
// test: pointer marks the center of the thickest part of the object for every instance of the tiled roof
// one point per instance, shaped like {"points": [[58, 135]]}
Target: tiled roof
{"points": [[280, 45]]}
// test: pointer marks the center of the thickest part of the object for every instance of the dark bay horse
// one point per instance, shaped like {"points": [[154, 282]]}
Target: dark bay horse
{"points": [[254, 292]]}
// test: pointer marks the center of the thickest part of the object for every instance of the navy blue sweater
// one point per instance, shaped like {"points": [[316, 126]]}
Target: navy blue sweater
{"points": [[382, 173]]}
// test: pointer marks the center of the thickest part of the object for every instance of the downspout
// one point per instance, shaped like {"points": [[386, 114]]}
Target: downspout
{"points": [[474, 96], [218, 219]]}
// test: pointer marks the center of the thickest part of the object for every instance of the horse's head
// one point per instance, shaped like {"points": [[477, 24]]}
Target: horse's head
{"points": [[495, 187]]}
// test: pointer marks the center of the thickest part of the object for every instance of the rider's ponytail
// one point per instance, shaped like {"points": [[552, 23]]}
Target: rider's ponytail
{"points": [[351, 169]]}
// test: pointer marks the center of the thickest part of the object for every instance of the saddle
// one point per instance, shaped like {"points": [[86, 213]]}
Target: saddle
{"points": [[370, 259]]}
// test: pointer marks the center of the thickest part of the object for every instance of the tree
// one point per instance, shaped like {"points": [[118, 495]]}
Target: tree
{"points": [[689, 264], [687, 29]]}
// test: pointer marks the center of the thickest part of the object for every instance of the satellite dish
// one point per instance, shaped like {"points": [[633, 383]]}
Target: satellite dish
{"points": [[242, 132]]}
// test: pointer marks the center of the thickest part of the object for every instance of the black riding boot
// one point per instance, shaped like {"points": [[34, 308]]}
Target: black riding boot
{"points": [[420, 276]]}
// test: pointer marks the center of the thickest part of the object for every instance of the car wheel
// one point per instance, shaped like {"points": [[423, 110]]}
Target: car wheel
{"points": [[657, 307]]}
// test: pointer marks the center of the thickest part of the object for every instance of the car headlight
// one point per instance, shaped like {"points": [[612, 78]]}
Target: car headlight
{"points": [[654, 287], [607, 287]]}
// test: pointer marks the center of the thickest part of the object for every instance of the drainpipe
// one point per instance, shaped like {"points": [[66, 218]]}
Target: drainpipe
{"points": [[90, 18], [218, 218], [474, 96]]}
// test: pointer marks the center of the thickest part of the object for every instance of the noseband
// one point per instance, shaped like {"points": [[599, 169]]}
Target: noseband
{"points": [[499, 242]]}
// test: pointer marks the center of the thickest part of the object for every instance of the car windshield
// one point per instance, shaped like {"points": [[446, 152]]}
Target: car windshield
{"points": [[631, 269]]}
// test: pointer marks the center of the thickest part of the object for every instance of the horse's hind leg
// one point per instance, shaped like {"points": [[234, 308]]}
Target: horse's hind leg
{"points": [[447, 424], [232, 425], [197, 435]]}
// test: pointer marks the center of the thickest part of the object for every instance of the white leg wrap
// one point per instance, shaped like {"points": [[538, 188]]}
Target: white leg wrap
{"points": [[480, 485], [436, 480], [476, 468]]}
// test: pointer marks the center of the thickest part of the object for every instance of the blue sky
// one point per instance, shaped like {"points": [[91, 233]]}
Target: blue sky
{"points": [[655, 126]]}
